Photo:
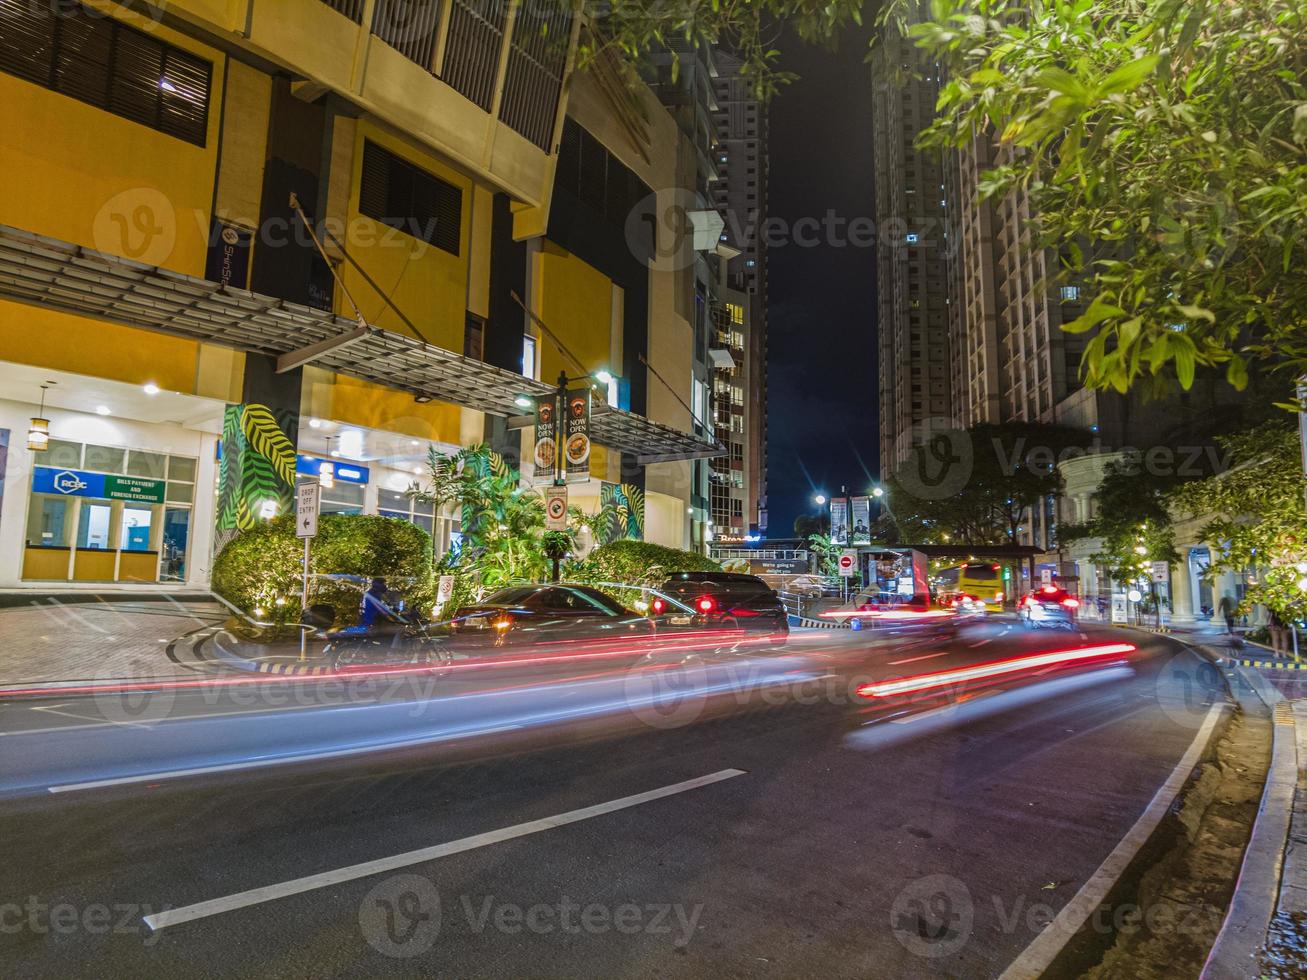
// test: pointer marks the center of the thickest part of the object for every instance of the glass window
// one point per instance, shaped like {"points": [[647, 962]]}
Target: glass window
{"points": [[181, 493], [93, 526], [176, 535], [181, 468], [48, 521], [105, 459], [152, 465], [135, 531], [62, 453], [343, 498], [395, 500]]}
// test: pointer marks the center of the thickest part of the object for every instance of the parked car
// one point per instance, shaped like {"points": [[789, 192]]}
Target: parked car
{"points": [[726, 600], [544, 613], [1049, 608]]}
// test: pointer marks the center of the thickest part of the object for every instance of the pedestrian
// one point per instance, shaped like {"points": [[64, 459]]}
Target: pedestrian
{"points": [[1227, 607], [1279, 635]]}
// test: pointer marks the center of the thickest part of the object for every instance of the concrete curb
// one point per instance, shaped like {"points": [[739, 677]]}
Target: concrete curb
{"points": [[802, 622], [1248, 919], [279, 668]]}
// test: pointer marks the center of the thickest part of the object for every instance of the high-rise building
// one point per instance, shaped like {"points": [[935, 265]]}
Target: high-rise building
{"points": [[911, 263], [741, 198]]}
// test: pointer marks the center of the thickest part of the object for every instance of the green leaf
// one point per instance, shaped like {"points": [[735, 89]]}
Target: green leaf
{"points": [[1129, 75], [1063, 82], [1099, 310], [1237, 373], [1196, 313]]}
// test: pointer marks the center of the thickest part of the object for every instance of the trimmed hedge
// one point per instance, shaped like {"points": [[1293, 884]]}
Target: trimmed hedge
{"points": [[638, 563], [263, 565]]}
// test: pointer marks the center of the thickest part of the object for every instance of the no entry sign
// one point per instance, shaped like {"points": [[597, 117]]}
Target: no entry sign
{"points": [[848, 562]]}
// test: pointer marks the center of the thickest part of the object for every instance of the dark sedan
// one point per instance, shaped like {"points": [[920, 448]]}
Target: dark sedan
{"points": [[721, 599], [545, 613]]}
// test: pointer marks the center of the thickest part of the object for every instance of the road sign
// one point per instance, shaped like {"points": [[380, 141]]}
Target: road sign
{"points": [[444, 592], [1161, 572], [555, 508], [848, 562], [308, 497], [1046, 576]]}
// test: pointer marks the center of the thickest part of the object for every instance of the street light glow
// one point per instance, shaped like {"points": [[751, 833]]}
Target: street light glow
{"points": [[820, 500]]}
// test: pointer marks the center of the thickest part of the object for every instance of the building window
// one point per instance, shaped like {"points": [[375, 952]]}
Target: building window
{"points": [[90, 57], [474, 337], [397, 503], [1070, 294], [400, 195], [529, 356]]}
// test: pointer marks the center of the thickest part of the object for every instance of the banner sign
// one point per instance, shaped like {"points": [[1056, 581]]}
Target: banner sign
{"points": [[861, 520], [576, 435], [839, 520], [544, 454], [103, 486], [228, 261]]}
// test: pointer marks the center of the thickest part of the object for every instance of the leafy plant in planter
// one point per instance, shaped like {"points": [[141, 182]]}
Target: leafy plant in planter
{"points": [[637, 563], [260, 570]]}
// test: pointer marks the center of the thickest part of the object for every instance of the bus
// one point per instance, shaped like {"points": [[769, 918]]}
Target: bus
{"points": [[983, 580]]}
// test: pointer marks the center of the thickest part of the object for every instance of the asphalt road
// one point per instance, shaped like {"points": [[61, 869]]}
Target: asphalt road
{"points": [[792, 832]]}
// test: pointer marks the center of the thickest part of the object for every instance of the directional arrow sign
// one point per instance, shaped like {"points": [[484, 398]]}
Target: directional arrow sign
{"points": [[308, 496]]}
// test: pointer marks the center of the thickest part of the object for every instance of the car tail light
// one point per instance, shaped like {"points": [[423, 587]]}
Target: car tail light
{"points": [[706, 604], [1030, 600], [745, 613], [1071, 603], [658, 605], [503, 623], [1050, 589]]}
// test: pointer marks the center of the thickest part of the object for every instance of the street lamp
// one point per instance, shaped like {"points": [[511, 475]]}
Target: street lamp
{"points": [[819, 500], [878, 492]]}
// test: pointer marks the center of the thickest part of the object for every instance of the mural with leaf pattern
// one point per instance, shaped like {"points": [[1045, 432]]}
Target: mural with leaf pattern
{"points": [[626, 501], [258, 464]]}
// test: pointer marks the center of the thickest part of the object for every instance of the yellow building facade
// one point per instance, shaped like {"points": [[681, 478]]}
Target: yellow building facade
{"points": [[332, 215]]}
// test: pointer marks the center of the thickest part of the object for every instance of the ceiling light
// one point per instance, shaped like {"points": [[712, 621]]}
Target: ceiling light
{"points": [[102, 410], [151, 388], [604, 377], [315, 423], [522, 401], [422, 399], [38, 429]]}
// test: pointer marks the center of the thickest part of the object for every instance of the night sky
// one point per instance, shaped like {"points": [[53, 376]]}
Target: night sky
{"points": [[821, 316]]}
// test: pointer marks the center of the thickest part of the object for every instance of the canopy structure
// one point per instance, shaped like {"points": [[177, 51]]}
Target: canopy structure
{"points": [[58, 275]]}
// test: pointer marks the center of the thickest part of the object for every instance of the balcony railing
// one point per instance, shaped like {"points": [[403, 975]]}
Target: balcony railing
{"points": [[353, 9], [476, 35], [408, 26]]}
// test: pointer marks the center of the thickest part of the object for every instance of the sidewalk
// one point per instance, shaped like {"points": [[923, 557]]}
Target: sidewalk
{"points": [[102, 637]]}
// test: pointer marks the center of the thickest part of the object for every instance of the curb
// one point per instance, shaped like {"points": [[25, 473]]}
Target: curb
{"points": [[1267, 664], [1247, 921], [282, 669], [802, 622]]}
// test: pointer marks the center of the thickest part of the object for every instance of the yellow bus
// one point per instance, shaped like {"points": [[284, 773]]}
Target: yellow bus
{"points": [[982, 580]]}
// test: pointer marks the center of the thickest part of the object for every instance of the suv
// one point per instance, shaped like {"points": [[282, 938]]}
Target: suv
{"points": [[721, 599], [1049, 606]]}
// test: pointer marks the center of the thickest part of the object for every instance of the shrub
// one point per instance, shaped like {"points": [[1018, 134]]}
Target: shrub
{"points": [[263, 565], [637, 563]]}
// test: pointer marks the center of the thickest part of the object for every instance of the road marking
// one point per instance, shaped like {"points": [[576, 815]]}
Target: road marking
{"points": [[983, 642], [913, 660], [1039, 955], [269, 893]]}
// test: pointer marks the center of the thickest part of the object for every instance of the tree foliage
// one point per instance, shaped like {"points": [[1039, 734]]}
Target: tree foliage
{"points": [[503, 523], [749, 28], [1163, 144], [636, 563], [1133, 523], [1262, 523], [1010, 468]]}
